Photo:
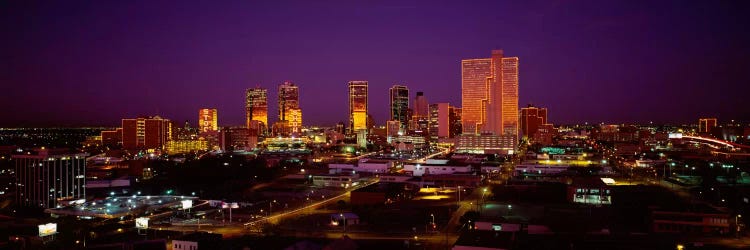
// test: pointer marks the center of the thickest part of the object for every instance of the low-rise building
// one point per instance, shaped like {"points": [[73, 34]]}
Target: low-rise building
{"points": [[418, 169], [336, 180]]}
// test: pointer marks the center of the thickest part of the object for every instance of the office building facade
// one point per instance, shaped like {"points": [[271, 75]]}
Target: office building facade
{"points": [[357, 105], [489, 95], [399, 105], [256, 107], [208, 120], [44, 177], [145, 133]]}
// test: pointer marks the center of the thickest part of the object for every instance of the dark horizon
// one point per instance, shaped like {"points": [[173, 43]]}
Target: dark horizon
{"points": [[93, 63]]}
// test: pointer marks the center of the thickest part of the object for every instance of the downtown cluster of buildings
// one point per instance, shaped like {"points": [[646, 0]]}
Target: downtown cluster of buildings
{"points": [[488, 120]]}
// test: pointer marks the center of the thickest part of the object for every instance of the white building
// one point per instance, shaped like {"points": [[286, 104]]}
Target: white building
{"points": [[435, 169]]}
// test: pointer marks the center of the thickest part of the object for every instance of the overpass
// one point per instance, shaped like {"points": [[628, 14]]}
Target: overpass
{"points": [[712, 141]]}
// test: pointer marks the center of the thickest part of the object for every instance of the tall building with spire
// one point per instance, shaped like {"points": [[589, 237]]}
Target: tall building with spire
{"points": [[399, 105], [357, 105], [489, 95], [256, 107]]}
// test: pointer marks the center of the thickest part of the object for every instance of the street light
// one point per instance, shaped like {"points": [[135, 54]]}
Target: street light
{"points": [[737, 224]]}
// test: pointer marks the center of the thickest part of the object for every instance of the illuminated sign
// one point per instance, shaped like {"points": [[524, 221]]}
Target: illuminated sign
{"points": [[608, 181], [187, 204], [497, 227], [230, 205], [141, 223], [47, 229], [675, 135]]}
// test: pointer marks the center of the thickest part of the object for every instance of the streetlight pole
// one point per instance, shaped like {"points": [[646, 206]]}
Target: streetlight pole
{"points": [[737, 224]]}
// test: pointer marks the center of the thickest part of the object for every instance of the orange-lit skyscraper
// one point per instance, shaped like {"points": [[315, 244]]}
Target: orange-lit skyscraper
{"points": [[256, 107], [208, 120], [357, 105], [475, 75], [289, 110], [489, 95], [399, 103]]}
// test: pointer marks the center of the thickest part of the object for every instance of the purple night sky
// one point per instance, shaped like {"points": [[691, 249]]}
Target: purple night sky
{"points": [[72, 63]]}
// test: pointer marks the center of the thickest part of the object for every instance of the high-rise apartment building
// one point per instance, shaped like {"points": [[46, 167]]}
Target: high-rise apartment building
{"points": [[289, 109], [531, 118], [357, 105], [705, 125], [208, 120], [489, 95], [256, 107], [145, 133], [399, 103], [46, 176]]}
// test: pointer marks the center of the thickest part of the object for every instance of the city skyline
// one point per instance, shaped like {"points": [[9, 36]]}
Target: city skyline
{"points": [[130, 69]]}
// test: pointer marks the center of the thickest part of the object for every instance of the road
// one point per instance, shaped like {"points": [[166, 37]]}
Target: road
{"points": [[238, 229]]}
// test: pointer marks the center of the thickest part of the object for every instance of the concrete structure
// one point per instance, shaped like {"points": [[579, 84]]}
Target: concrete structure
{"points": [[418, 169], [589, 190], [44, 177], [531, 118], [111, 137], [336, 180], [145, 133], [440, 123], [237, 138], [363, 166]]}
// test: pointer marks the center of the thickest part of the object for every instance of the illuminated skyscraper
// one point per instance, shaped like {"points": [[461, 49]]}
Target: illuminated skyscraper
{"points": [[489, 95], [357, 105], [399, 102], [208, 120], [475, 75], [256, 106], [289, 110]]}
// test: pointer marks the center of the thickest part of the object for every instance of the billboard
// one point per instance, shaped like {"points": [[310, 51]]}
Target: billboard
{"points": [[187, 204], [141, 223], [47, 229]]}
